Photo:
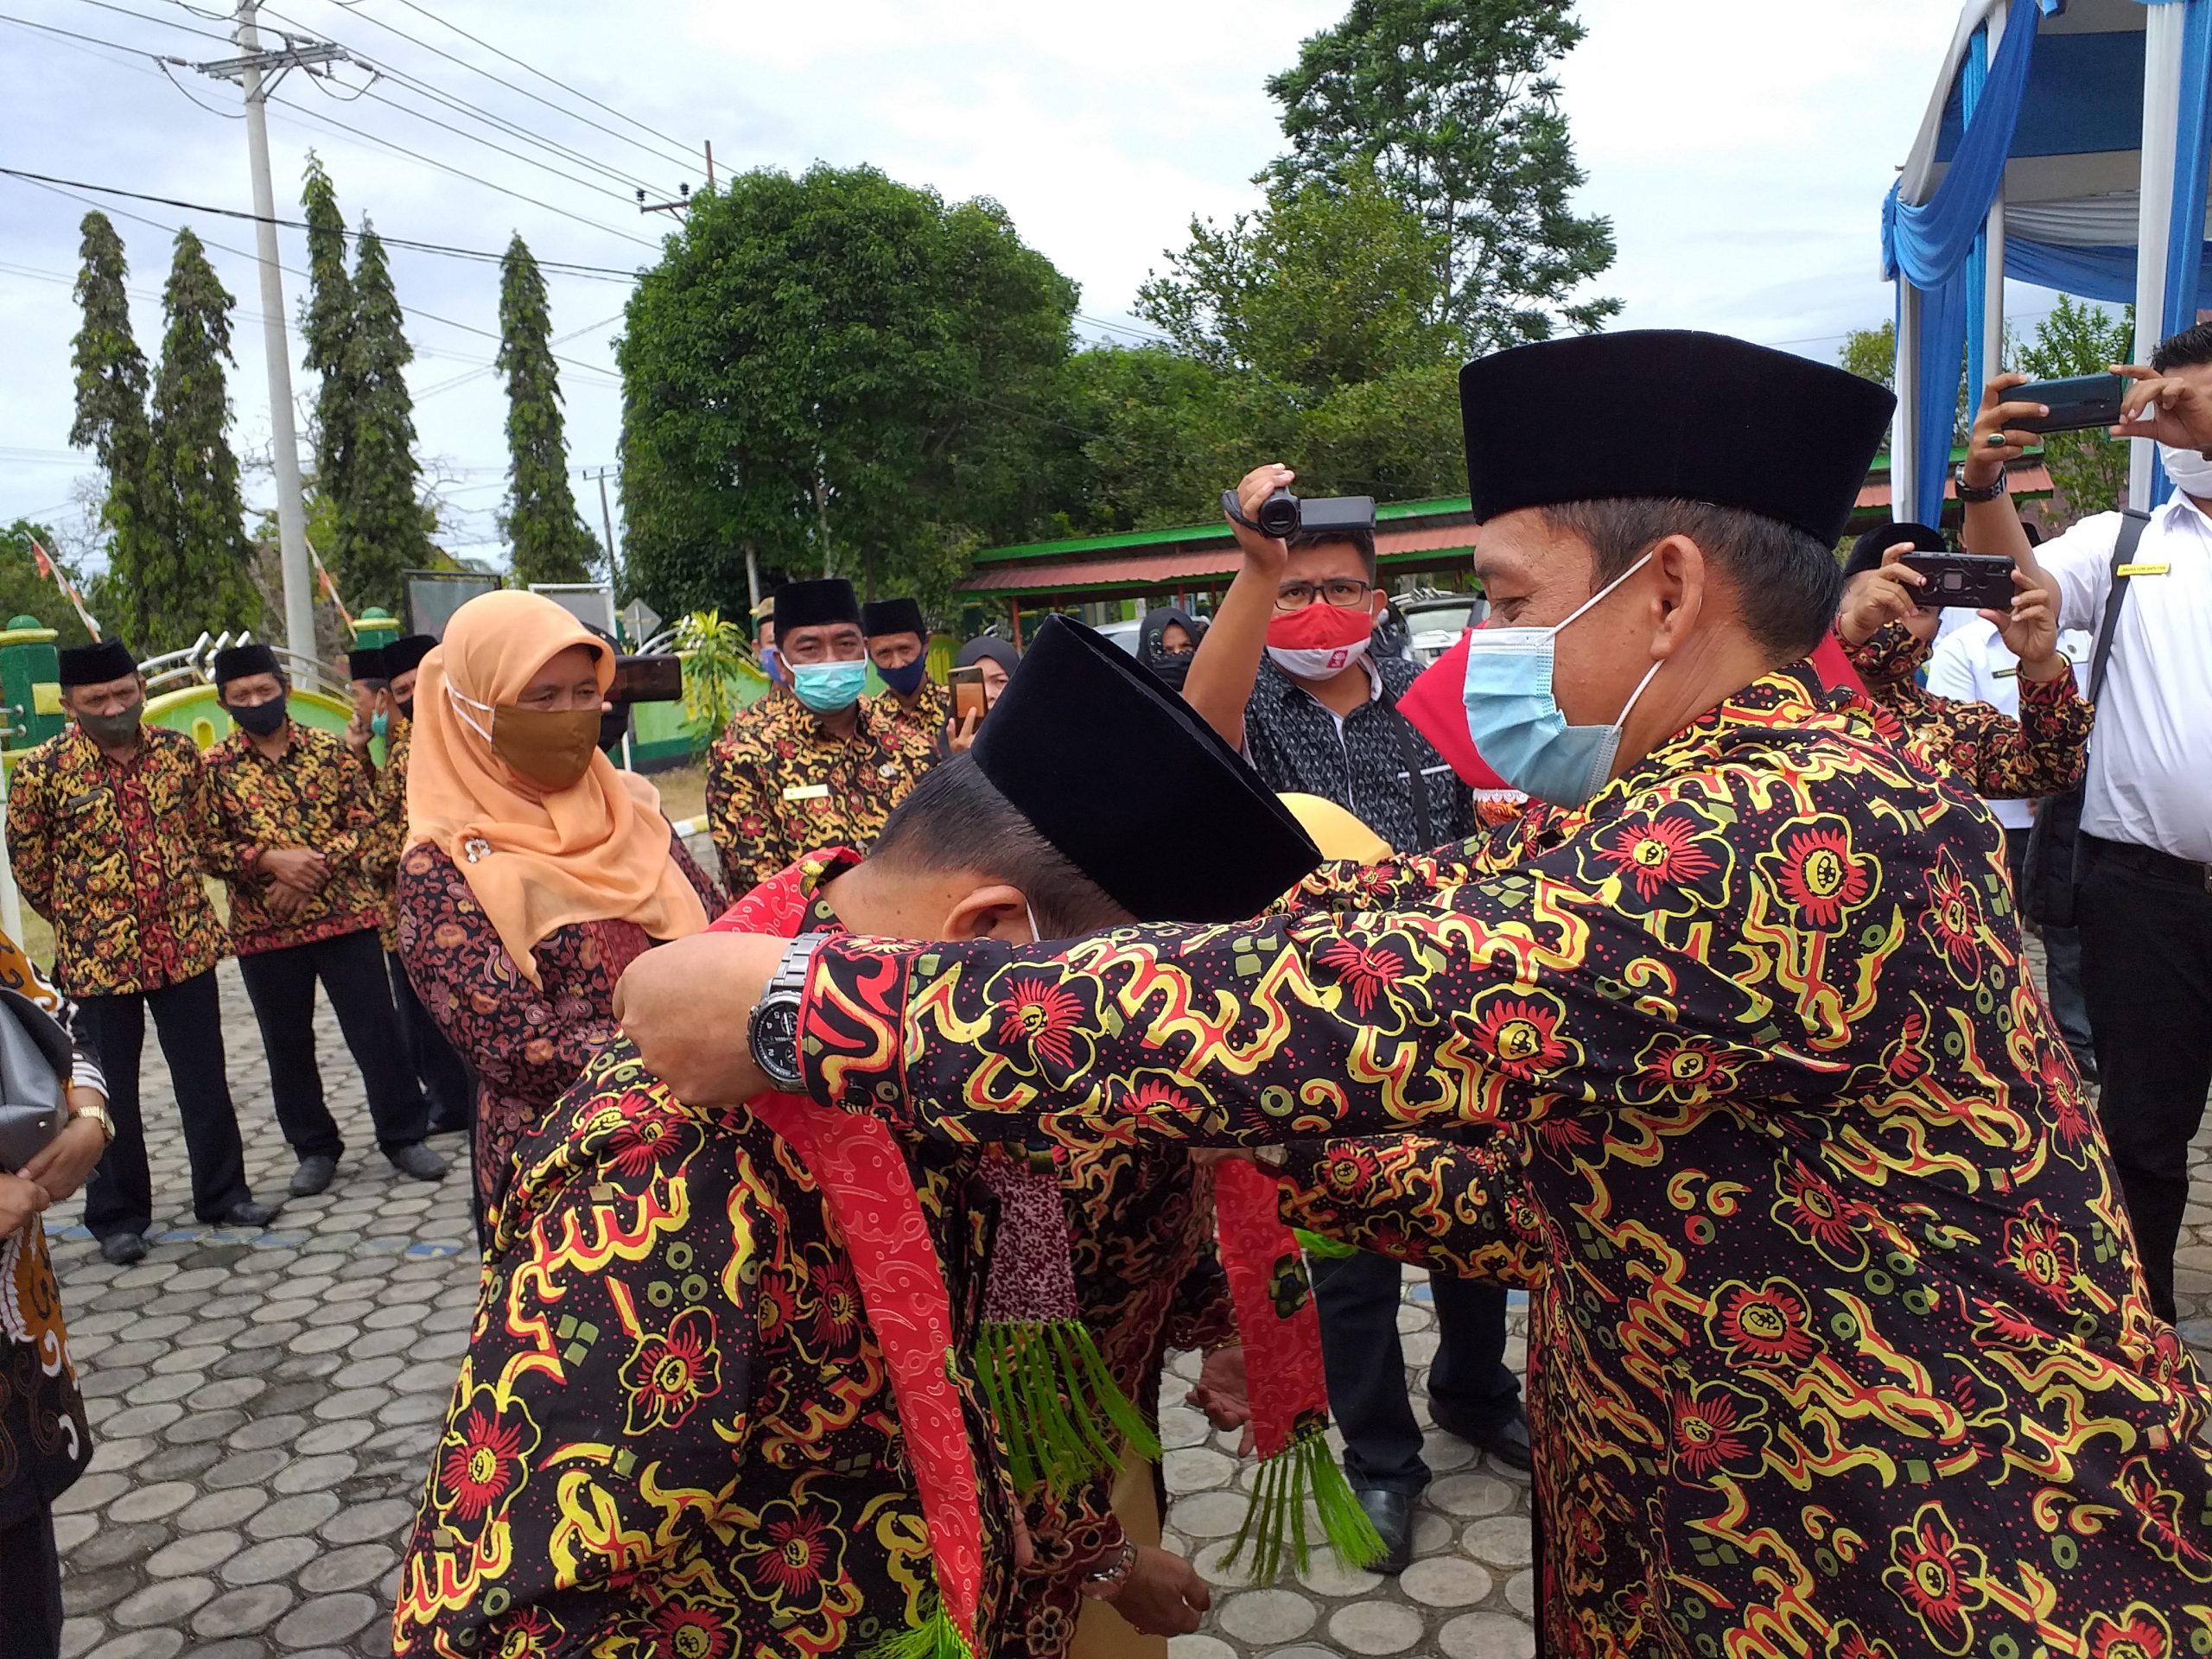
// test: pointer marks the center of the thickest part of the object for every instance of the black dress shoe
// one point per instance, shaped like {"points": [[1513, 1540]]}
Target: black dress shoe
{"points": [[449, 1120], [123, 1249], [1393, 1516], [251, 1213], [313, 1175], [1507, 1441], [417, 1162]]}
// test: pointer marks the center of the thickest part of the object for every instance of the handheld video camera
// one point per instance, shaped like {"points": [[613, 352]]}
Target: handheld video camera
{"points": [[1283, 515]]}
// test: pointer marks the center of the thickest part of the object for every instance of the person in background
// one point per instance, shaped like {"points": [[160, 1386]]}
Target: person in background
{"points": [[1167, 641], [298, 812], [996, 660], [823, 770], [2144, 902], [914, 707], [1286, 674], [763, 624], [111, 825], [535, 871], [45, 1442], [443, 1075]]}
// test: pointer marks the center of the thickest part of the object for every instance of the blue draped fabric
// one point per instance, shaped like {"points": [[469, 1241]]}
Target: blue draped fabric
{"points": [[2192, 160], [1974, 77]]}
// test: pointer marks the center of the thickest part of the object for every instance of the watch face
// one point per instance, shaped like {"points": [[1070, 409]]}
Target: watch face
{"points": [[775, 1038]]}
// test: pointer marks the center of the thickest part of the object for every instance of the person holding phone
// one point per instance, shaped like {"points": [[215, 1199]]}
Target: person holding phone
{"points": [[980, 672]]}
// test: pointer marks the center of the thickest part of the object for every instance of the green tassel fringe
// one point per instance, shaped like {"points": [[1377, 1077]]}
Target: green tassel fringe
{"points": [[939, 1638], [1275, 1525], [1329, 1250], [1064, 1419]]}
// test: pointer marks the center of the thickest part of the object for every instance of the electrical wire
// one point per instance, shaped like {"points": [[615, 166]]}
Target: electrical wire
{"points": [[375, 97], [90, 40], [494, 367], [501, 124], [162, 23]]}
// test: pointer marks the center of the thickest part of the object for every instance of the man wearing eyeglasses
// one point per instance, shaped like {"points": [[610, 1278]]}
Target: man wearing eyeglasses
{"points": [[1288, 673]]}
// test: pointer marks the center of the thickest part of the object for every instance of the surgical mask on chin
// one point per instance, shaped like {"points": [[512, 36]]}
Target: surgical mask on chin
{"points": [[1515, 721], [906, 680], [2190, 472], [116, 729], [829, 687]]}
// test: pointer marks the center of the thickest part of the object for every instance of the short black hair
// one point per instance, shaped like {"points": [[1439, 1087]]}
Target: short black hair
{"points": [[1364, 540], [1787, 582], [2190, 349], [954, 820]]}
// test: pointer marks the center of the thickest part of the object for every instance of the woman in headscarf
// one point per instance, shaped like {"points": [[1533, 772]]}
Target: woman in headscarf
{"points": [[1167, 642], [997, 660], [535, 872]]}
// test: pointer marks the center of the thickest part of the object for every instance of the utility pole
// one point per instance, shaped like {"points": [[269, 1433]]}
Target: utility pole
{"points": [[247, 70], [606, 516]]}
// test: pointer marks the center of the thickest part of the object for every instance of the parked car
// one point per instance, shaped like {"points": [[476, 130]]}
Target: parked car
{"points": [[1436, 621], [1124, 634]]}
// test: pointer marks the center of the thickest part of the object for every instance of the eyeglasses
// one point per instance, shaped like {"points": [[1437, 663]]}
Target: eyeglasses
{"points": [[1340, 591]]}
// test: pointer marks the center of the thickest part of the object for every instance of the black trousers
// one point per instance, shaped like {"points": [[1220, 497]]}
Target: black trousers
{"points": [[445, 1077], [2146, 966], [1357, 1297], [30, 1587], [282, 986], [188, 1015], [2061, 979]]}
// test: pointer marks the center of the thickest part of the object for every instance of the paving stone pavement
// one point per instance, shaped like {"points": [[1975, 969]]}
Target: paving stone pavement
{"points": [[264, 1408]]}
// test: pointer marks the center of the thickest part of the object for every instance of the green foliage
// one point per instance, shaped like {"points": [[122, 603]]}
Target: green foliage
{"points": [[111, 417], [549, 541], [23, 592], [2088, 469], [327, 329], [206, 581], [843, 371], [1397, 437], [715, 653], [382, 525], [1449, 105], [1165, 433], [1872, 354]]}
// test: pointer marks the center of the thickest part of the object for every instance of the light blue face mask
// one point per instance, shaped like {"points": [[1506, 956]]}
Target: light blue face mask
{"points": [[1517, 723], [827, 688], [380, 723]]}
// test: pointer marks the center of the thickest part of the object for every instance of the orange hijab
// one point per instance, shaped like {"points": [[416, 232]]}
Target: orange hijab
{"points": [[598, 850]]}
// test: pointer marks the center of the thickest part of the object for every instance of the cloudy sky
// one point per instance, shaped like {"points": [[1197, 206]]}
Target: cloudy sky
{"points": [[1741, 149]]}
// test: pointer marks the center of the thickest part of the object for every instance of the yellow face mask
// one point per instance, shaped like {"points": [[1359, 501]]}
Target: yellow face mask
{"points": [[552, 749]]}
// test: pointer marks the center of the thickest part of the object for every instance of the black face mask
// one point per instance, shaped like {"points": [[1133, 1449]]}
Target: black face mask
{"points": [[1173, 668], [406, 706], [262, 719]]}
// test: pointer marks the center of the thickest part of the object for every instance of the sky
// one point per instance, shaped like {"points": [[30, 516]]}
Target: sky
{"points": [[1740, 148]]}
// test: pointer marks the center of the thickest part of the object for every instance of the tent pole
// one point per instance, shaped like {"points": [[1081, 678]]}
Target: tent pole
{"points": [[2162, 41], [1903, 428], [1992, 305]]}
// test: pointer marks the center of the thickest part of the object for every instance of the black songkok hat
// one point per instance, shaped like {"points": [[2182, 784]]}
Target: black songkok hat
{"points": [[811, 604], [97, 664], [367, 663], [405, 652], [1134, 789], [1670, 413], [1866, 552], [880, 616], [238, 662]]}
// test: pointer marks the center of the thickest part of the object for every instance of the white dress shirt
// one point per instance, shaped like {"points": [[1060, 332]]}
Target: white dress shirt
{"points": [[2150, 753], [1972, 663]]}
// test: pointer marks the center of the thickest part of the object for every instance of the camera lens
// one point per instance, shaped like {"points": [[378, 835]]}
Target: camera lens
{"points": [[1278, 515]]}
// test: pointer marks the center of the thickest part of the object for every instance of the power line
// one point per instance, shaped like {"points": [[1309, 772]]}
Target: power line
{"points": [[162, 22], [375, 97], [499, 123], [90, 40]]}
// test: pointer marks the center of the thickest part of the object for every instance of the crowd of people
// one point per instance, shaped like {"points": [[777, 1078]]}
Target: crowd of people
{"points": [[1659, 952]]}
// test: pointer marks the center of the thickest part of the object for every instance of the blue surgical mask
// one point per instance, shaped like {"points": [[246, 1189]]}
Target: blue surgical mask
{"points": [[771, 664], [380, 723], [907, 680], [1517, 723], [828, 687]]}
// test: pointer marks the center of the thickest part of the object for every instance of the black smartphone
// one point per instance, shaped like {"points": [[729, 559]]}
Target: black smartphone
{"points": [[658, 678], [2075, 403], [966, 685], [1983, 580]]}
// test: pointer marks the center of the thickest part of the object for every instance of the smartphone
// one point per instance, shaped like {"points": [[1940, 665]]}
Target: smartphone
{"points": [[2081, 401], [658, 678], [967, 684], [1982, 580]]}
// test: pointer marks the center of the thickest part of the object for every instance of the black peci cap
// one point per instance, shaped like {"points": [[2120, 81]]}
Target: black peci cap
{"points": [[1670, 413], [881, 616], [367, 663], [1866, 552], [97, 662], [811, 604], [405, 652], [239, 662], [1137, 792]]}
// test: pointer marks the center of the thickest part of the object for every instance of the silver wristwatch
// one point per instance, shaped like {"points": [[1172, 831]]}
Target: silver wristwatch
{"points": [[773, 1033]]}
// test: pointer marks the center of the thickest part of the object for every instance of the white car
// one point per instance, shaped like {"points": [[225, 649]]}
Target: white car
{"points": [[1436, 621]]}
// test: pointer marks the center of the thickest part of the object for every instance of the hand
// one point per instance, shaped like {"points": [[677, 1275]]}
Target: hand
{"points": [[282, 900], [68, 1158], [1223, 1393], [294, 866], [357, 733], [2183, 412], [1985, 459], [1162, 1596], [19, 1200], [1878, 596], [686, 1005], [962, 738], [2030, 629], [1265, 551], [1025, 1549]]}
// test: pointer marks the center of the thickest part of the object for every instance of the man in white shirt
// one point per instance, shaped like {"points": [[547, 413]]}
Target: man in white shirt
{"points": [[1972, 663], [2145, 901]]}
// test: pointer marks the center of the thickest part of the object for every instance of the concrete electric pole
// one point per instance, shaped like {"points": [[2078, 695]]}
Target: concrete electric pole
{"points": [[248, 69]]}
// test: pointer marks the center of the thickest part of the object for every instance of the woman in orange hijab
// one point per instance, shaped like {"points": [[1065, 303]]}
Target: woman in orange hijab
{"points": [[535, 872]]}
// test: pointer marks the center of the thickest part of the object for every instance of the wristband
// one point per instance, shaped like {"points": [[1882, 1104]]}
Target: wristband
{"points": [[1112, 1578], [1979, 492]]}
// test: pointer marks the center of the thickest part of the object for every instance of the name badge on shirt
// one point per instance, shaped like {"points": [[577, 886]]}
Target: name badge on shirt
{"points": [[806, 792], [2144, 569], [2002, 673]]}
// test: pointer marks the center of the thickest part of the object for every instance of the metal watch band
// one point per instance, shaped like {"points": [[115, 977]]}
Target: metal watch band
{"points": [[1979, 492], [789, 977]]}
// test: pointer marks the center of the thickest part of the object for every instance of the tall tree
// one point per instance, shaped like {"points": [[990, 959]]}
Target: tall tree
{"points": [[549, 541], [112, 421], [1451, 104], [208, 581], [327, 329], [383, 527]]}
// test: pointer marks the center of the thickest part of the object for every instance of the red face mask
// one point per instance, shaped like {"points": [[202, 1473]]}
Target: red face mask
{"points": [[1320, 627]]}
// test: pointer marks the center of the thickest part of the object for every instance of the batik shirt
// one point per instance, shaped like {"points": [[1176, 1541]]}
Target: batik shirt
{"points": [[778, 786], [920, 730], [114, 856], [318, 793], [1842, 1344], [2045, 752], [391, 826], [527, 1042]]}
